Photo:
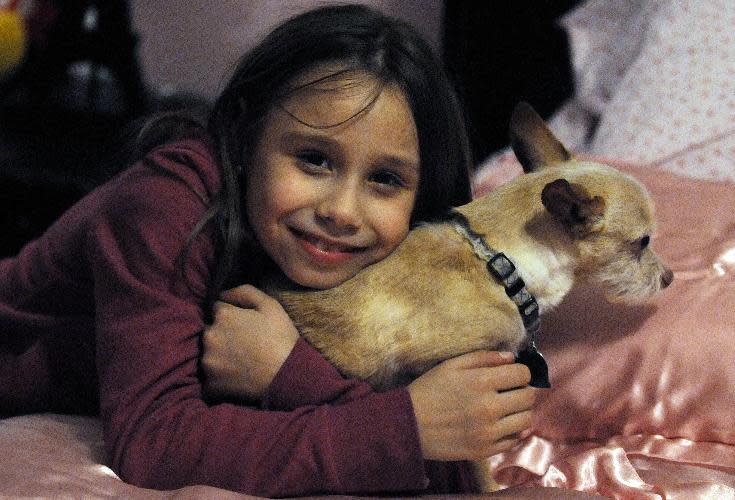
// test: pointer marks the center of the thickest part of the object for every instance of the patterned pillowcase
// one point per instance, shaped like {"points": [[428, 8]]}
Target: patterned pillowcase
{"points": [[660, 78]]}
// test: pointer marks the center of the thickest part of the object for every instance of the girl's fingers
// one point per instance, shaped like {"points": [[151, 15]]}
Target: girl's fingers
{"points": [[506, 377], [516, 401], [245, 296], [510, 426], [221, 309], [482, 359], [229, 313], [504, 444]]}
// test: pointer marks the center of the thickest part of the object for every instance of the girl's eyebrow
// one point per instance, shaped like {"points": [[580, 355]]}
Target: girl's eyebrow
{"points": [[318, 139], [295, 136]]}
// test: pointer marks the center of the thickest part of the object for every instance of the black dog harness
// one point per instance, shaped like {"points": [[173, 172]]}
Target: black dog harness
{"points": [[502, 269]]}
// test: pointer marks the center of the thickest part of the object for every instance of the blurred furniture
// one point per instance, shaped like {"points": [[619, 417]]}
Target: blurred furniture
{"points": [[62, 110]]}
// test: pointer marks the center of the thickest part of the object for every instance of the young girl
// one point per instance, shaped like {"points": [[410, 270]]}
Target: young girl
{"points": [[336, 134]]}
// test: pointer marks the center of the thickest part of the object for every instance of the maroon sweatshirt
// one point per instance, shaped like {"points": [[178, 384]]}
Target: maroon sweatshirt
{"points": [[95, 316]]}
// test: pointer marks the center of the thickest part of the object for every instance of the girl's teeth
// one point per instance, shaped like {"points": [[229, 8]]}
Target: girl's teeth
{"points": [[325, 247]]}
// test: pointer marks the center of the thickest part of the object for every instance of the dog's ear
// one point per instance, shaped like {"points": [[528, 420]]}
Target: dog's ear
{"points": [[533, 143], [571, 205]]}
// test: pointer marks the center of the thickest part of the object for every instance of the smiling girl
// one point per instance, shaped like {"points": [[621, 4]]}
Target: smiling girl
{"points": [[324, 202], [335, 135]]}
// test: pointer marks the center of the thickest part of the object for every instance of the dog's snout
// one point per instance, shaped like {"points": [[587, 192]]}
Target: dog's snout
{"points": [[667, 277]]}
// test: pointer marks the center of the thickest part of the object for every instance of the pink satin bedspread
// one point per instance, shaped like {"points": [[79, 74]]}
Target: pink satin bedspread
{"points": [[48, 456], [643, 399]]}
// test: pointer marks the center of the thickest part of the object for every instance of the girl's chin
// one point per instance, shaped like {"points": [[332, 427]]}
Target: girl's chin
{"points": [[321, 280]]}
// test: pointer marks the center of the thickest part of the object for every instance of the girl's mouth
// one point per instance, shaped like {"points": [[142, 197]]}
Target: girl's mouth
{"points": [[324, 249]]}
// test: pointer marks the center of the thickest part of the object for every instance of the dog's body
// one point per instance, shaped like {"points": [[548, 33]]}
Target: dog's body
{"points": [[562, 223]]}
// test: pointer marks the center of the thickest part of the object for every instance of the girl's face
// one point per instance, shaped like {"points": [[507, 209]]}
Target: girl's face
{"points": [[327, 202]]}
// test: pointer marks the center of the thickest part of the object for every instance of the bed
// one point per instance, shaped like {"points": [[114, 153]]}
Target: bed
{"points": [[642, 399]]}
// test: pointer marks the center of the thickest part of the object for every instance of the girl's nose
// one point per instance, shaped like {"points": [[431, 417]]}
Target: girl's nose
{"points": [[340, 209]]}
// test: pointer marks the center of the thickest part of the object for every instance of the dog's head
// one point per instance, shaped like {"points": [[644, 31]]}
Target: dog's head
{"points": [[608, 215]]}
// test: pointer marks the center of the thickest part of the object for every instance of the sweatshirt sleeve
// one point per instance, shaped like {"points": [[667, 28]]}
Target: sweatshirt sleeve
{"points": [[307, 378], [159, 432]]}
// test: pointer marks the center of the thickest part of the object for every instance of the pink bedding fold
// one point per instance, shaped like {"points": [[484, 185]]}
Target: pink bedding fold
{"points": [[625, 467]]}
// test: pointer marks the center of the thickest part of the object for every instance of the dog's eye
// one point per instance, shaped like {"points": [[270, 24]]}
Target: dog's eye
{"points": [[644, 242]]}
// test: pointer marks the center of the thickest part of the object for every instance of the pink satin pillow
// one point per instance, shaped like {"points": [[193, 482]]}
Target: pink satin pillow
{"points": [[667, 368]]}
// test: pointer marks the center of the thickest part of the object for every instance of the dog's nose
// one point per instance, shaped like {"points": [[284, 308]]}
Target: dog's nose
{"points": [[667, 277]]}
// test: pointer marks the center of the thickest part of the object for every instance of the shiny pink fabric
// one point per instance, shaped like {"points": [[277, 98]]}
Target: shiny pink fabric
{"points": [[61, 456], [643, 399], [624, 467]]}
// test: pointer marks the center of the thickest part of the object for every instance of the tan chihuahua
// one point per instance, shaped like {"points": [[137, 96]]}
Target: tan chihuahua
{"points": [[445, 292]]}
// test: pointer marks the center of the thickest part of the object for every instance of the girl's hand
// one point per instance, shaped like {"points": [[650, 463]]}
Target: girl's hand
{"points": [[472, 406], [247, 344]]}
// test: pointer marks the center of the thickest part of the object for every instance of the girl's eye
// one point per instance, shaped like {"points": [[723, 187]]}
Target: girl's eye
{"points": [[387, 178], [313, 160]]}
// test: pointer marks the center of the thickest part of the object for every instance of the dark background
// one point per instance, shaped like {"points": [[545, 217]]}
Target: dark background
{"points": [[64, 113], [502, 52]]}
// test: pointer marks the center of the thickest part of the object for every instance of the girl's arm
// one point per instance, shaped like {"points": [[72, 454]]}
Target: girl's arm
{"points": [[243, 356], [468, 407], [253, 352]]}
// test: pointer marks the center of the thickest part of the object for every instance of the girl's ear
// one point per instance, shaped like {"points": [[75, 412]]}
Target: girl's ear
{"points": [[533, 143], [571, 205]]}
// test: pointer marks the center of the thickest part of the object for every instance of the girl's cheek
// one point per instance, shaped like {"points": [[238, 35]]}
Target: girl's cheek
{"points": [[394, 222]]}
